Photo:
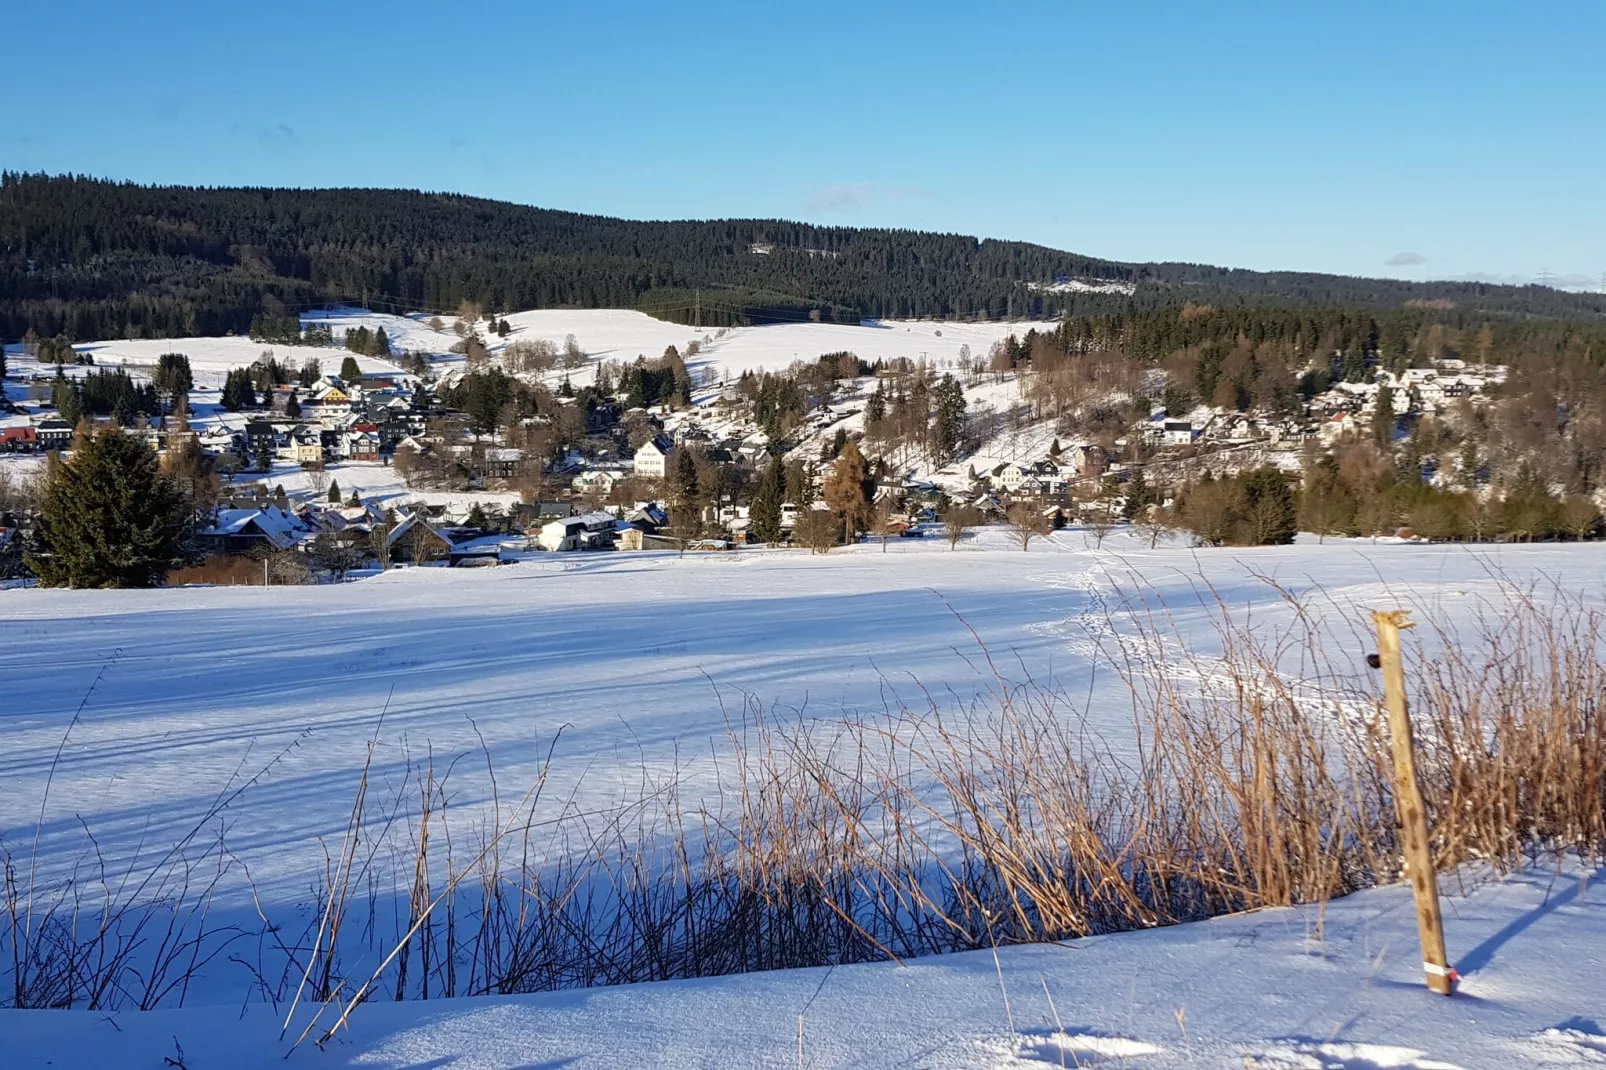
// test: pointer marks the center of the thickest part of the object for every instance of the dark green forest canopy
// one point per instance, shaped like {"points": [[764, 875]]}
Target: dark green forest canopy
{"points": [[100, 259]]}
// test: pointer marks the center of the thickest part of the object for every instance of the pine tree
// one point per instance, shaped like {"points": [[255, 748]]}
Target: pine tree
{"points": [[66, 399], [1137, 496], [686, 476], [766, 508], [292, 406], [1383, 416], [381, 344], [238, 390], [349, 371], [948, 426], [108, 517], [476, 518], [334, 492]]}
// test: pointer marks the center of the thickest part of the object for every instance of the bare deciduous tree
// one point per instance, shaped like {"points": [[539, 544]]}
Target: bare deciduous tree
{"points": [[1025, 523], [958, 521], [317, 479], [882, 523], [817, 529]]}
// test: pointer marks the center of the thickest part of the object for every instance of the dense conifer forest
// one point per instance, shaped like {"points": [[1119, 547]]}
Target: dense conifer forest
{"points": [[96, 259]]}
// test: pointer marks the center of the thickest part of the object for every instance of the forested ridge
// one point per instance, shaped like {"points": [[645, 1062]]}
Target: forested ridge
{"points": [[96, 259]]}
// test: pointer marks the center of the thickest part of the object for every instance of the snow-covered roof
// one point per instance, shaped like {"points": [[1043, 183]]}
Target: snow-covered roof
{"points": [[280, 528]]}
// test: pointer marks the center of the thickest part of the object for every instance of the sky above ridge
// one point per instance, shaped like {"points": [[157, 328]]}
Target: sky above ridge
{"points": [[1426, 140]]}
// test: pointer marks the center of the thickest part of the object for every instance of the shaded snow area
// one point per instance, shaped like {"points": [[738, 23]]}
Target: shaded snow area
{"points": [[131, 719], [1270, 990]]}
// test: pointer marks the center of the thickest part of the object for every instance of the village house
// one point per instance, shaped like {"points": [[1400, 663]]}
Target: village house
{"points": [[654, 457], [54, 434], [591, 531], [304, 445], [243, 531], [503, 463]]}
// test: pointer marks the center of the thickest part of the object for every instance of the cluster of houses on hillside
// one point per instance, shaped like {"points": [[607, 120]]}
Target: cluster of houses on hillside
{"points": [[420, 534], [1331, 414]]}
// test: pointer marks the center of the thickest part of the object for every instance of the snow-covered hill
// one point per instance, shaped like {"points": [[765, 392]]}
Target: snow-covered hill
{"points": [[604, 334]]}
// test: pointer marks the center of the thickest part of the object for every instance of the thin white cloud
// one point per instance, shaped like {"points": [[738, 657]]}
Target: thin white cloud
{"points": [[1405, 259], [840, 197]]}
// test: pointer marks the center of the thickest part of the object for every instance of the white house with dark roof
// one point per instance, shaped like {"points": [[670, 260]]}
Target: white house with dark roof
{"points": [[654, 457]]}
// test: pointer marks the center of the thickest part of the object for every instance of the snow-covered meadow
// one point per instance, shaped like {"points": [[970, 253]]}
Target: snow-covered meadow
{"points": [[159, 700], [603, 334], [129, 715]]}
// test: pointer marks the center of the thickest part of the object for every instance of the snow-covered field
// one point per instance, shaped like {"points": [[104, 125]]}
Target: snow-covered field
{"points": [[128, 714], [1270, 990], [634, 656], [604, 334]]}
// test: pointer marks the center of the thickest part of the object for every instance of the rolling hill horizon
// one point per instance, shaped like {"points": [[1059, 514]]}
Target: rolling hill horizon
{"points": [[101, 258]]}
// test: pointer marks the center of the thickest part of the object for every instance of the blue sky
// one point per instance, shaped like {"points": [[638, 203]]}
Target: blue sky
{"points": [[1418, 140]]}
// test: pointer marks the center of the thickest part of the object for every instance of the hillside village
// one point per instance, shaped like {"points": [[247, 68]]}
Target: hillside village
{"points": [[650, 455]]}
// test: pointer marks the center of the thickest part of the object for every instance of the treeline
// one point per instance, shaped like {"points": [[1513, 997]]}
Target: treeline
{"points": [[98, 259], [111, 392], [1336, 498]]}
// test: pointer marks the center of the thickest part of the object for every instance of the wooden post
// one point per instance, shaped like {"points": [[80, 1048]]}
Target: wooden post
{"points": [[1408, 803]]}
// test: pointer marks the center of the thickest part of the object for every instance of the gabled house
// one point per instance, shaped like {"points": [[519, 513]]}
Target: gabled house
{"points": [[53, 434], [592, 531], [528, 518], [416, 540], [19, 439], [1178, 433], [654, 457], [304, 445], [360, 442], [241, 531], [503, 462]]}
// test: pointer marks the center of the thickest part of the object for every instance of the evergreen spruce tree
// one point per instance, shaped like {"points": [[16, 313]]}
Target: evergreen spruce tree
{"points": [[1137, 496], [349, 371], [766, 509], [292, 406], [875, 410], [66, 399], [1383, 417], [334, 492], [686, 476], [108, 517], [948, 426]]}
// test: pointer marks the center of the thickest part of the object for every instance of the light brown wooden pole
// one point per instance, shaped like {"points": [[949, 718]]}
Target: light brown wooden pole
{"points": [[1408, 803]]}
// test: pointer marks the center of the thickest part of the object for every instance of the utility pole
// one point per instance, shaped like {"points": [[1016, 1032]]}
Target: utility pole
{"points": [[1408, 803]]}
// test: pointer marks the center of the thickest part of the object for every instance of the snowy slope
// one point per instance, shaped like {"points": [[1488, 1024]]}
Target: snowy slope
{"points": [[1295, 989], [639, 658], [604, 334]]}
